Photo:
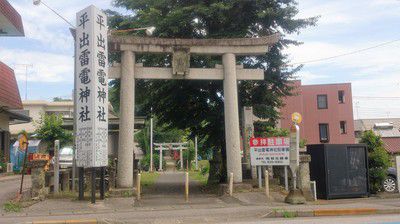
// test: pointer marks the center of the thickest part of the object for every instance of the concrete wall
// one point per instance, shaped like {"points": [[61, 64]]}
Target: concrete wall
{"points": [[306, 104], [36, 110]]}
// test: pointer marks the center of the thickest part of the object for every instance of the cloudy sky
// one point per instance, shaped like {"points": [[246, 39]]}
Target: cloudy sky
{"points": [[344, 26]]}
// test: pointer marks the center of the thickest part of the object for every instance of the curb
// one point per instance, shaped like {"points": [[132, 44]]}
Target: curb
{"points": [[71, 221], [329, 212]]}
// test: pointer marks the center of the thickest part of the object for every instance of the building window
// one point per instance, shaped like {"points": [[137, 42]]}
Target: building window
{"points": [[343, 127], [341, 96], [322, 101], [324, 133], [358, 134]]}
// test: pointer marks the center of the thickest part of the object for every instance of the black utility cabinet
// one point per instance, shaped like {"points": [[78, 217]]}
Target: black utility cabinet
{"points": [[340, 170]]}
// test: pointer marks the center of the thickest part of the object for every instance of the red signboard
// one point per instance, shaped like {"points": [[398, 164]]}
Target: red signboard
{"points": [[273, 151], [271, 141]]}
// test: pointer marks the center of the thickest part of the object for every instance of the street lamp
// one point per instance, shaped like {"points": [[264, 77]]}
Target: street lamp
{"points": [[149, 30], [38, 2]]}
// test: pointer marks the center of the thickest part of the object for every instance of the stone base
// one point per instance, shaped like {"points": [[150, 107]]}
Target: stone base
{"points": [[295, 197], [122, 192]]}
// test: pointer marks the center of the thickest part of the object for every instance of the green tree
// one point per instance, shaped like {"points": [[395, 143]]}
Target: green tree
{"points": [[378, 160], [198, 105], [49, 128]]}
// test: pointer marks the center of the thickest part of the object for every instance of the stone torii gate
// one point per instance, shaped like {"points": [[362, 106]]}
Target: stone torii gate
{"points": [[181, 49], [171, 146]]}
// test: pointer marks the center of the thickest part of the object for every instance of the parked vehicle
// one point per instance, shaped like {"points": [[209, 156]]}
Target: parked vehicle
{"points": [[390, 183], [65, 157]]}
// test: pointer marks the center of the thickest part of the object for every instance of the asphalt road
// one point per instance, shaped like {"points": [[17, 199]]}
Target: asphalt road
{"points": [[9, 186], [153, 217], [371, 219]]}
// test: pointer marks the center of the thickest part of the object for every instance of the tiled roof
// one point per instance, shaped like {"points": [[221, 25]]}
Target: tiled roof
{"points": [[392, 145], [369, 124], [12, 15], [9, 93]]}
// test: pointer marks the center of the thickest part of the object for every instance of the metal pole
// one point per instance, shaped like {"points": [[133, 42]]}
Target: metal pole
{"points": [[259, 177], [187, 186], [93, 196], [26, 82], [138, 186], [230, 184], [81, 182], [195, 153], [74, 97], [102, 182], [160, 165], [151, 144], [266, 175], [286, 179], [23, 167], [56, 166]]}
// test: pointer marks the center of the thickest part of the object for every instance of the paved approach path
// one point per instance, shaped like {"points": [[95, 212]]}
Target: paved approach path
{"points": [[172, 183], [9, 186]]}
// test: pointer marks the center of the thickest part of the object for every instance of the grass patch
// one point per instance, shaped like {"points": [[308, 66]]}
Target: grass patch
{"points": [[11, 206], [288, 214], [63, 194], [197, 175], [148, 179], [201, 175]]}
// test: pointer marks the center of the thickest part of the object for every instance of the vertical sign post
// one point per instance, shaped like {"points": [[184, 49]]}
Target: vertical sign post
{"points": [[151, 144], [23, 145], [295, 195], [294, 146], [294, 152], [195, 154], [56, 165], [91, 82]]}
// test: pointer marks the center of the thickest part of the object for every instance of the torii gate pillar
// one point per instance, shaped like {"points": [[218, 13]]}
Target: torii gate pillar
{"points": [[231, 114], [127, 120]]}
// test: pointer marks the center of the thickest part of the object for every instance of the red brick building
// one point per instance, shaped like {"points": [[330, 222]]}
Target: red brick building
{"points": [[327, 112]]}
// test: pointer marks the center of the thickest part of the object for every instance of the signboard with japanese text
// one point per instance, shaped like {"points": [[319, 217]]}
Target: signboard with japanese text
{"points": [[273, 151], [91, 88]]}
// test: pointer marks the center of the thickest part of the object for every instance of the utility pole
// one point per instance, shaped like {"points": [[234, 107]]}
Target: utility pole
{"points": [[26, 66], [357, 105]]}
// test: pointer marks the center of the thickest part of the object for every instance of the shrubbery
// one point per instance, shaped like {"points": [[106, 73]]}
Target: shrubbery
{"points": [[378, 160]]}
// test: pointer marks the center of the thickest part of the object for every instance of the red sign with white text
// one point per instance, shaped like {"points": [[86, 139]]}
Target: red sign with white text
{"points": [[271, 141], [273, 151]]}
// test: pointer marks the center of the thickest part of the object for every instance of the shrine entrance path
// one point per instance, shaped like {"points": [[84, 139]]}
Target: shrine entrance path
{"points": [[172, 183], [169, 192]]}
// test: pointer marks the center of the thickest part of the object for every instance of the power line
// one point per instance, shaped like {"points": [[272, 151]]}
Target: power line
{"points": [[348, 53], [378, 97]]}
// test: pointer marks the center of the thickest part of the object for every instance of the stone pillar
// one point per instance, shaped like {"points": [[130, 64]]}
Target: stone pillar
{"points": [[65, 180], [160, 163], [127, 118], [38, 177], [248, 132], [231, 111], [303, 176], [181, 157]]}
